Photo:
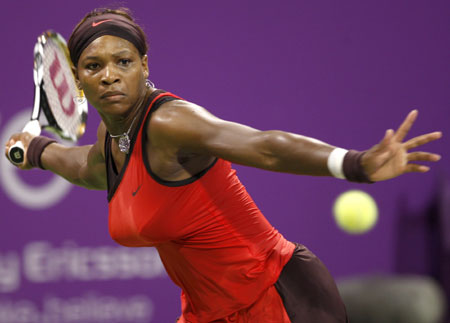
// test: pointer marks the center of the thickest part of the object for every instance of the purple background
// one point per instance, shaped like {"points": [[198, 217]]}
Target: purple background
{"points": [[342, 72]]}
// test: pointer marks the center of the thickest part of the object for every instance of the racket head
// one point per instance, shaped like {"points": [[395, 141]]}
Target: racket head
{"points": [[63, 104]]}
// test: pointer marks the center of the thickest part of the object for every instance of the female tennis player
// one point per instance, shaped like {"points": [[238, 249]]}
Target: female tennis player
{"points": [[166, 165]]}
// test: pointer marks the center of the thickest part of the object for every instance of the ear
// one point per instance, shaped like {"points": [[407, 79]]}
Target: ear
{"points": [[77, 80], [144, 62]]}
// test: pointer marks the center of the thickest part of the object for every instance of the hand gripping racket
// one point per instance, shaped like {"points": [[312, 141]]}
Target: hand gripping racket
{"points": [[55, 94]]}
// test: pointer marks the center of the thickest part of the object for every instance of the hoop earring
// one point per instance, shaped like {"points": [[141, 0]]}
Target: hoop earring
{"points": [[80, 98], [149, 84]]}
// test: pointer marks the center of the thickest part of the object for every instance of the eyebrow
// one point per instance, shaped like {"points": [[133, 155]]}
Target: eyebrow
{"points": [[122, 52], [118, 54]]}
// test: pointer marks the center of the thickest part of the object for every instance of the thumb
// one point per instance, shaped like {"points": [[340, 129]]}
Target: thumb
{"points": [[387, 138], [380, 152]]}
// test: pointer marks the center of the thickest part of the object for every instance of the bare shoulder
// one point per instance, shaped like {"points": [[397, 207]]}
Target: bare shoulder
{"points": [[177, 111], [179, 116], [189, 127]]}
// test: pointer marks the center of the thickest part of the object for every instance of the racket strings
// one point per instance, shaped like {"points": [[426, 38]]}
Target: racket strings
{"points": [[61, 92]]}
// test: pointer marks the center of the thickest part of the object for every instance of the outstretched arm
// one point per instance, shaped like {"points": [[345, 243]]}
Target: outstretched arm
{"points": [[81, 165], [188, 127]]}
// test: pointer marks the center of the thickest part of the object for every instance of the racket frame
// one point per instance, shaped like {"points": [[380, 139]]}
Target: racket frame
{"points": [[16, 152]]}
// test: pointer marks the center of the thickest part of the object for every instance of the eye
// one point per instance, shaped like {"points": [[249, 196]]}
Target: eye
{"points": [[124, 61], [92, 66]]}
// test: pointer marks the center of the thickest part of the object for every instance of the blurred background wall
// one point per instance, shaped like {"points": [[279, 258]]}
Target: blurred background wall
{"points": [[342, 72]]}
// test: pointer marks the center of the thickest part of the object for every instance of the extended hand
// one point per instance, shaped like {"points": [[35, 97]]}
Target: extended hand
{"points": [[390, 158], [25, 138]]}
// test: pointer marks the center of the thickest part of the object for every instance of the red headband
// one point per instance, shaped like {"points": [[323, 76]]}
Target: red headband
{"points": [[105, 24]]}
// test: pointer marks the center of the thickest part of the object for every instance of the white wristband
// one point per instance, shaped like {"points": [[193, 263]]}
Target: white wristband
{"points": [[335, 162]]}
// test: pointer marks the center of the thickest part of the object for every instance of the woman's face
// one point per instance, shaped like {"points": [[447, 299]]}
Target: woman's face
{"points": [[112, 74]]}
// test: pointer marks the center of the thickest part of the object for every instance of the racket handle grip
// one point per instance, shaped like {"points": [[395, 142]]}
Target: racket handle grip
{"points": [[16, 153]]}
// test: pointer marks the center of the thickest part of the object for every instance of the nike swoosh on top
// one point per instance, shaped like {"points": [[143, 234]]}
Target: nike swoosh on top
{"points": [[95, 24], [135, 192]]}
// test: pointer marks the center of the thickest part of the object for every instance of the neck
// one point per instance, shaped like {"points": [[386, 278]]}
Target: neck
{"points": [[118, 125]]}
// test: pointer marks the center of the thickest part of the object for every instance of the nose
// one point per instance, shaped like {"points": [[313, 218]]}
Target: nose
{"points": [[110, 75]]}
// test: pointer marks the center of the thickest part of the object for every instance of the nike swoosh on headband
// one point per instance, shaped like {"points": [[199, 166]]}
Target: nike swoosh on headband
{"points": [[95, 24]]}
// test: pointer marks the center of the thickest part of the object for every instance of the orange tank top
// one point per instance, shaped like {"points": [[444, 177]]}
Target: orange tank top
{"points": [[212, 239]]}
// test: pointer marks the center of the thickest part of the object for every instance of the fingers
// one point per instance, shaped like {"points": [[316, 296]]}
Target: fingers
{"points": [[423, 156], [420, 156], [406, 125], [422, 140], [25, 139], [11, 141], [415, 168], [15, 137], [385, 141], [387, 137]]}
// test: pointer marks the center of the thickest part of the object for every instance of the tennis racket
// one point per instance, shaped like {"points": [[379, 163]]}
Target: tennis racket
{"points": [[55, 94]]}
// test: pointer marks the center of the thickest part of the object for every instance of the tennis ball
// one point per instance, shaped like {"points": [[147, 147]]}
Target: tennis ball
{"points": [[355, 211]]}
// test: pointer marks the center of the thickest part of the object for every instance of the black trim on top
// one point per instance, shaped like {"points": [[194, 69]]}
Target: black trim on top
{"points": [[158, 179], [111, 168]]}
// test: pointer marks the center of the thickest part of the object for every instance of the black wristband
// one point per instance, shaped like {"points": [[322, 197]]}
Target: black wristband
{"points": [[35, 150], [352, 168]]}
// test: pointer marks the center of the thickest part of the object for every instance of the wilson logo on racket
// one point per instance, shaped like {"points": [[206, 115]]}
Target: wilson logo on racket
{"points": [[62, 87]]}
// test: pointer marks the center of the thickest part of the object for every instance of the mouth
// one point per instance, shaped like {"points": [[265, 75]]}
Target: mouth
{"points": [[112, 95]]}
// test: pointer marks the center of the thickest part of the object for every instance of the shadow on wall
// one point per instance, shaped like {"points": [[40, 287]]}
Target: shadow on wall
{"points": [[419, 291]]}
